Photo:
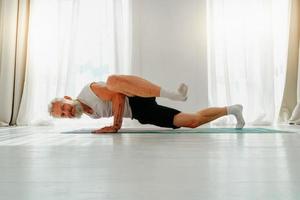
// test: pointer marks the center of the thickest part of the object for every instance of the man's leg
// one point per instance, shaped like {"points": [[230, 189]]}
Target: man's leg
{"points": [[208, 115], [136, 86]]}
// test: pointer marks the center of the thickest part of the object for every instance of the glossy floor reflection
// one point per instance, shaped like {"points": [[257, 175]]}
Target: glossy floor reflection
{"points": [[40, 163]]}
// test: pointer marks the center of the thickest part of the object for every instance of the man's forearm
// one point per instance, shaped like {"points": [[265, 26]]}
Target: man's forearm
{"points": [[118, 103]]}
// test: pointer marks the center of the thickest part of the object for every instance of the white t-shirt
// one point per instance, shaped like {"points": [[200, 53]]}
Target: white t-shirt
{"points": [[100, 107]]}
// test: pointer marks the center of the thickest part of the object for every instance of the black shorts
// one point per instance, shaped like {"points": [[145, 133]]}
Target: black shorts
{"points": [[147, 111]]}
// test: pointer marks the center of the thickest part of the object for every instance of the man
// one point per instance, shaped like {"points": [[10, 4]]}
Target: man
{"points": [[134, 97]]}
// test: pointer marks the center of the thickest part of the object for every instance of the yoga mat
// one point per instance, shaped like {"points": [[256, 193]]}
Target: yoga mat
{"points": [[185, 131]]}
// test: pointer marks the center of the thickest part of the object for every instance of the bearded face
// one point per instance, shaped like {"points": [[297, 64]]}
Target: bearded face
{"points": [[66, 108]]}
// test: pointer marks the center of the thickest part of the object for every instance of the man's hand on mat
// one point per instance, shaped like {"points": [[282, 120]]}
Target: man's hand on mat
{"points": [[106, 129]]}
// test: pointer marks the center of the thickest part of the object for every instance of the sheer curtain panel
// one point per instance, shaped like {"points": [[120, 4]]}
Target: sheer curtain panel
{"points": [[14, 15], [72, 43], [247, 56], [290, 110]]}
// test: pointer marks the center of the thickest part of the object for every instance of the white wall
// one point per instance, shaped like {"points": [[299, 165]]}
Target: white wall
{"points": [[169, 47]]}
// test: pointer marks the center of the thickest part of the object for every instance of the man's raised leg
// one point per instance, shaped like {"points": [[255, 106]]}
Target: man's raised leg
{"points": [[137, 86]]}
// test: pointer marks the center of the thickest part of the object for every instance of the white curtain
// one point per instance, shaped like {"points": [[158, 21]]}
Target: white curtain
{"points": [[290, 109], [295, 117], [71, 43], [247, 56], [14, 15]]}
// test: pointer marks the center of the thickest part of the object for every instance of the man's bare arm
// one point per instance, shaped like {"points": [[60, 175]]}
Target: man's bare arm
{"points": [[118, 103]]}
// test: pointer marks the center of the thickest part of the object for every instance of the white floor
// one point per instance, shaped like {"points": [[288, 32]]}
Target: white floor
{"points": [[40, 163]]}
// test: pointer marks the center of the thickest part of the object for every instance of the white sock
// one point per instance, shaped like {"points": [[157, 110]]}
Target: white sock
{"points": [[237, 111], [183, 89], [180, 95]]}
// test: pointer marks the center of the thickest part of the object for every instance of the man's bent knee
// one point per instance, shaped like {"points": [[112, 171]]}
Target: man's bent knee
{"points": [[115, 83], [112, 80]]}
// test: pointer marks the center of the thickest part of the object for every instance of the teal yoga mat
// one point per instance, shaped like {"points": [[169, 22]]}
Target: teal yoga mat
{"points": [[186, 131]]}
